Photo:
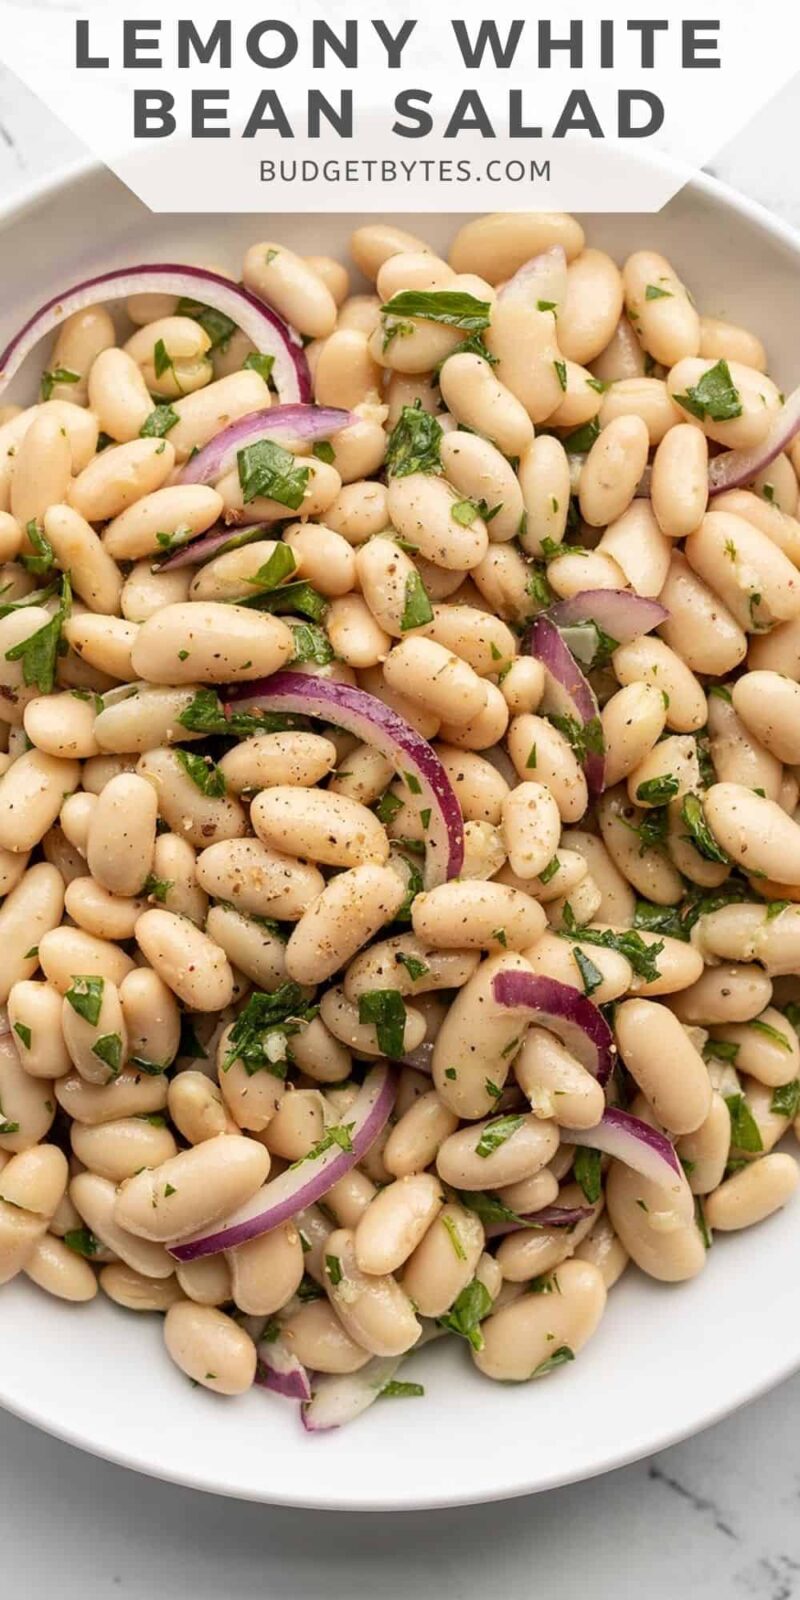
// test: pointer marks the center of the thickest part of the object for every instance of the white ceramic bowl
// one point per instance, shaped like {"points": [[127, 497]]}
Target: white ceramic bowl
{"points": [[666, 1361]]}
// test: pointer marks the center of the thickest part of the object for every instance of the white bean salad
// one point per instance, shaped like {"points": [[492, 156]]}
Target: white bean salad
{"points": [[399, 841]]}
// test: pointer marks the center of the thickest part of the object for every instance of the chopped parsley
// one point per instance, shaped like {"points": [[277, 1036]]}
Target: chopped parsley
{"points": [[417, 610], [700, 835], [260, 1033], [587, 1172], [384, 1010], [715, 396], [268, 471], [24, 1034], [414, 443], [550, 870], [219, 328], [206, 777], [338, 1135], [82, 1242], [295, 598], [497, 1133], [263, 365], [280, 565], [414, 967], [745, 1133], [467, 1312], [58, 375], [773, 1034], [785, 1100], [109, 1050], [395, 1390], [590, 645], [583, 738], [451, 307], [580, 441], [311, 643], [652, 292], [559, 1358], [159, 423], [465, 512], [561, 374], [39, 653], [86, 997], [627, 942], [452, 1232], [333, 1267], [658, 791], [591, 976]]}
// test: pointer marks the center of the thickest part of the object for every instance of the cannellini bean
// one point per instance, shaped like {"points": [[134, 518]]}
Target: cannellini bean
{"points": [[649, 1228], [733, 992], [753, 578], [646, 398], [635, 541], [622, 357], [195, 968], [42, 470], [285, 281], [648, 660], [122, 832], [445, 1260], [345, 916], [478, 469], [326, 557], [592, 307], [496, 246], [478, 398], [410, 965], [755, 832], [117, 1150], [193, 1189], [633, 721], [469, 1159], [135, 1291], [375, 1311], [482, 916], [103, 642], [612, 470], [725, 341], [206, 1282], [605, 1251], [665, 1065], [417, 1136], [521, 1338], [556, 1084], [52, 1266], [753, 1194], [210, 1347], [769, 705], [210, 643], [316, 1336], [757, 402], [132, 1094], [395, 1222], [531, 828], [421, 509], [196, 816], [768, 1048], [34, 1013], [94, 1198], [31, 794], [679, 482], [266, 1272], [540, 750], [258, 881], [94, 1028], [205, 413], [152, 1018], [328, 828], [95, 576], [475, 1043], [29, 912], [544, 479], [783, 530], [704, 1152], [119, 477], [700, 629], [118, 395], [160, 520], [268, 759], [659, 307]]}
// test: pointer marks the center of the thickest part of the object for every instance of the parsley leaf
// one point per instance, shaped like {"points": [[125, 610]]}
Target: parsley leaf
{"points": [[414, 443], [417, 610], [580, 441], [259, 1035], [785, 1100], [658, 791], [700, 835], [43, 558], [414, 967], [394, 1390], [86, 997], [311, 643], [774, 1034], [263, 365], [627, 942], [587, 1172], [82, 1242], [219, 328], [583, 738], [588, 643], [497, 1133], [159, 423], [267, 470], [452, 1232], [385, 1010], [745, 1133], [210, 780], [550, 870], [652, 292], [558, 1359], [715, 396], [294, 598], [451, 307], [109, 1050], [467, 1312], [591, 976], [281, 564], [58, 375], [40, 651]]}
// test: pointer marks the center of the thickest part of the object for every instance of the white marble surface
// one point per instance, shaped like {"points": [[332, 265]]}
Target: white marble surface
{"points": [[717, 1517]]}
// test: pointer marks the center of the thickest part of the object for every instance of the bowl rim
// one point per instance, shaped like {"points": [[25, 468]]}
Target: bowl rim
{"points": [[34, 195]]}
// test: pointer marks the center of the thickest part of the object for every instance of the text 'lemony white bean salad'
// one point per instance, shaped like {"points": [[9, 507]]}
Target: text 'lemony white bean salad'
{"points": [[400, 699]]}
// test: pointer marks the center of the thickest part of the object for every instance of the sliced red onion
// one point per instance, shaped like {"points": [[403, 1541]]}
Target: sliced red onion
{"points": [[620, 614], [564, 1011], [540, 282], [279, 1370], [339, 1400], [216, 543], [270, 335], [547, 1217], [375, 724], [646, 1149], [568, 694], [420, 1059], [737, 467], [303, 424], [307, 1181]]}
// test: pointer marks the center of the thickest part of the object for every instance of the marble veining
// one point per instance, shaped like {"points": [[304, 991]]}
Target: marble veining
{"points": [[717, 1517]]}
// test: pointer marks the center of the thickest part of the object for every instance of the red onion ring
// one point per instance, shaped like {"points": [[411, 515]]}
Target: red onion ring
{"points": [[548, 1217], [568, 693], [637, 1145], [303, 423], [564, 1011], [298, 1187], [279, 1370], [378, 725], [270, 335], [620, 614], [543, 278], [737, 467]]}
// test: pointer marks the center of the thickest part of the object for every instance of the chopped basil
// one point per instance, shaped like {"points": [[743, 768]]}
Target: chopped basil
{"points": [[260, 1033], [58, 375], [558, 1359], [394, 1390], [23, 1033], [159, 423], [109, 1049], [745, 1134], [384, 1009], [263, 365], [467, 1312], [43, 558], [774, 1034], [86, 997], [311, 643], [785, 1100], [333, 1267], [591, 976], [451, 307], [268, 471], [206, 777], [219, 328], [414, 967], [715, 396], [280, 565], [627, 942], [700, 835], [652, 292], [417, 610], [452, 1232], [82, 1242], [497, 1133], [414, 443], [658, 791]]}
